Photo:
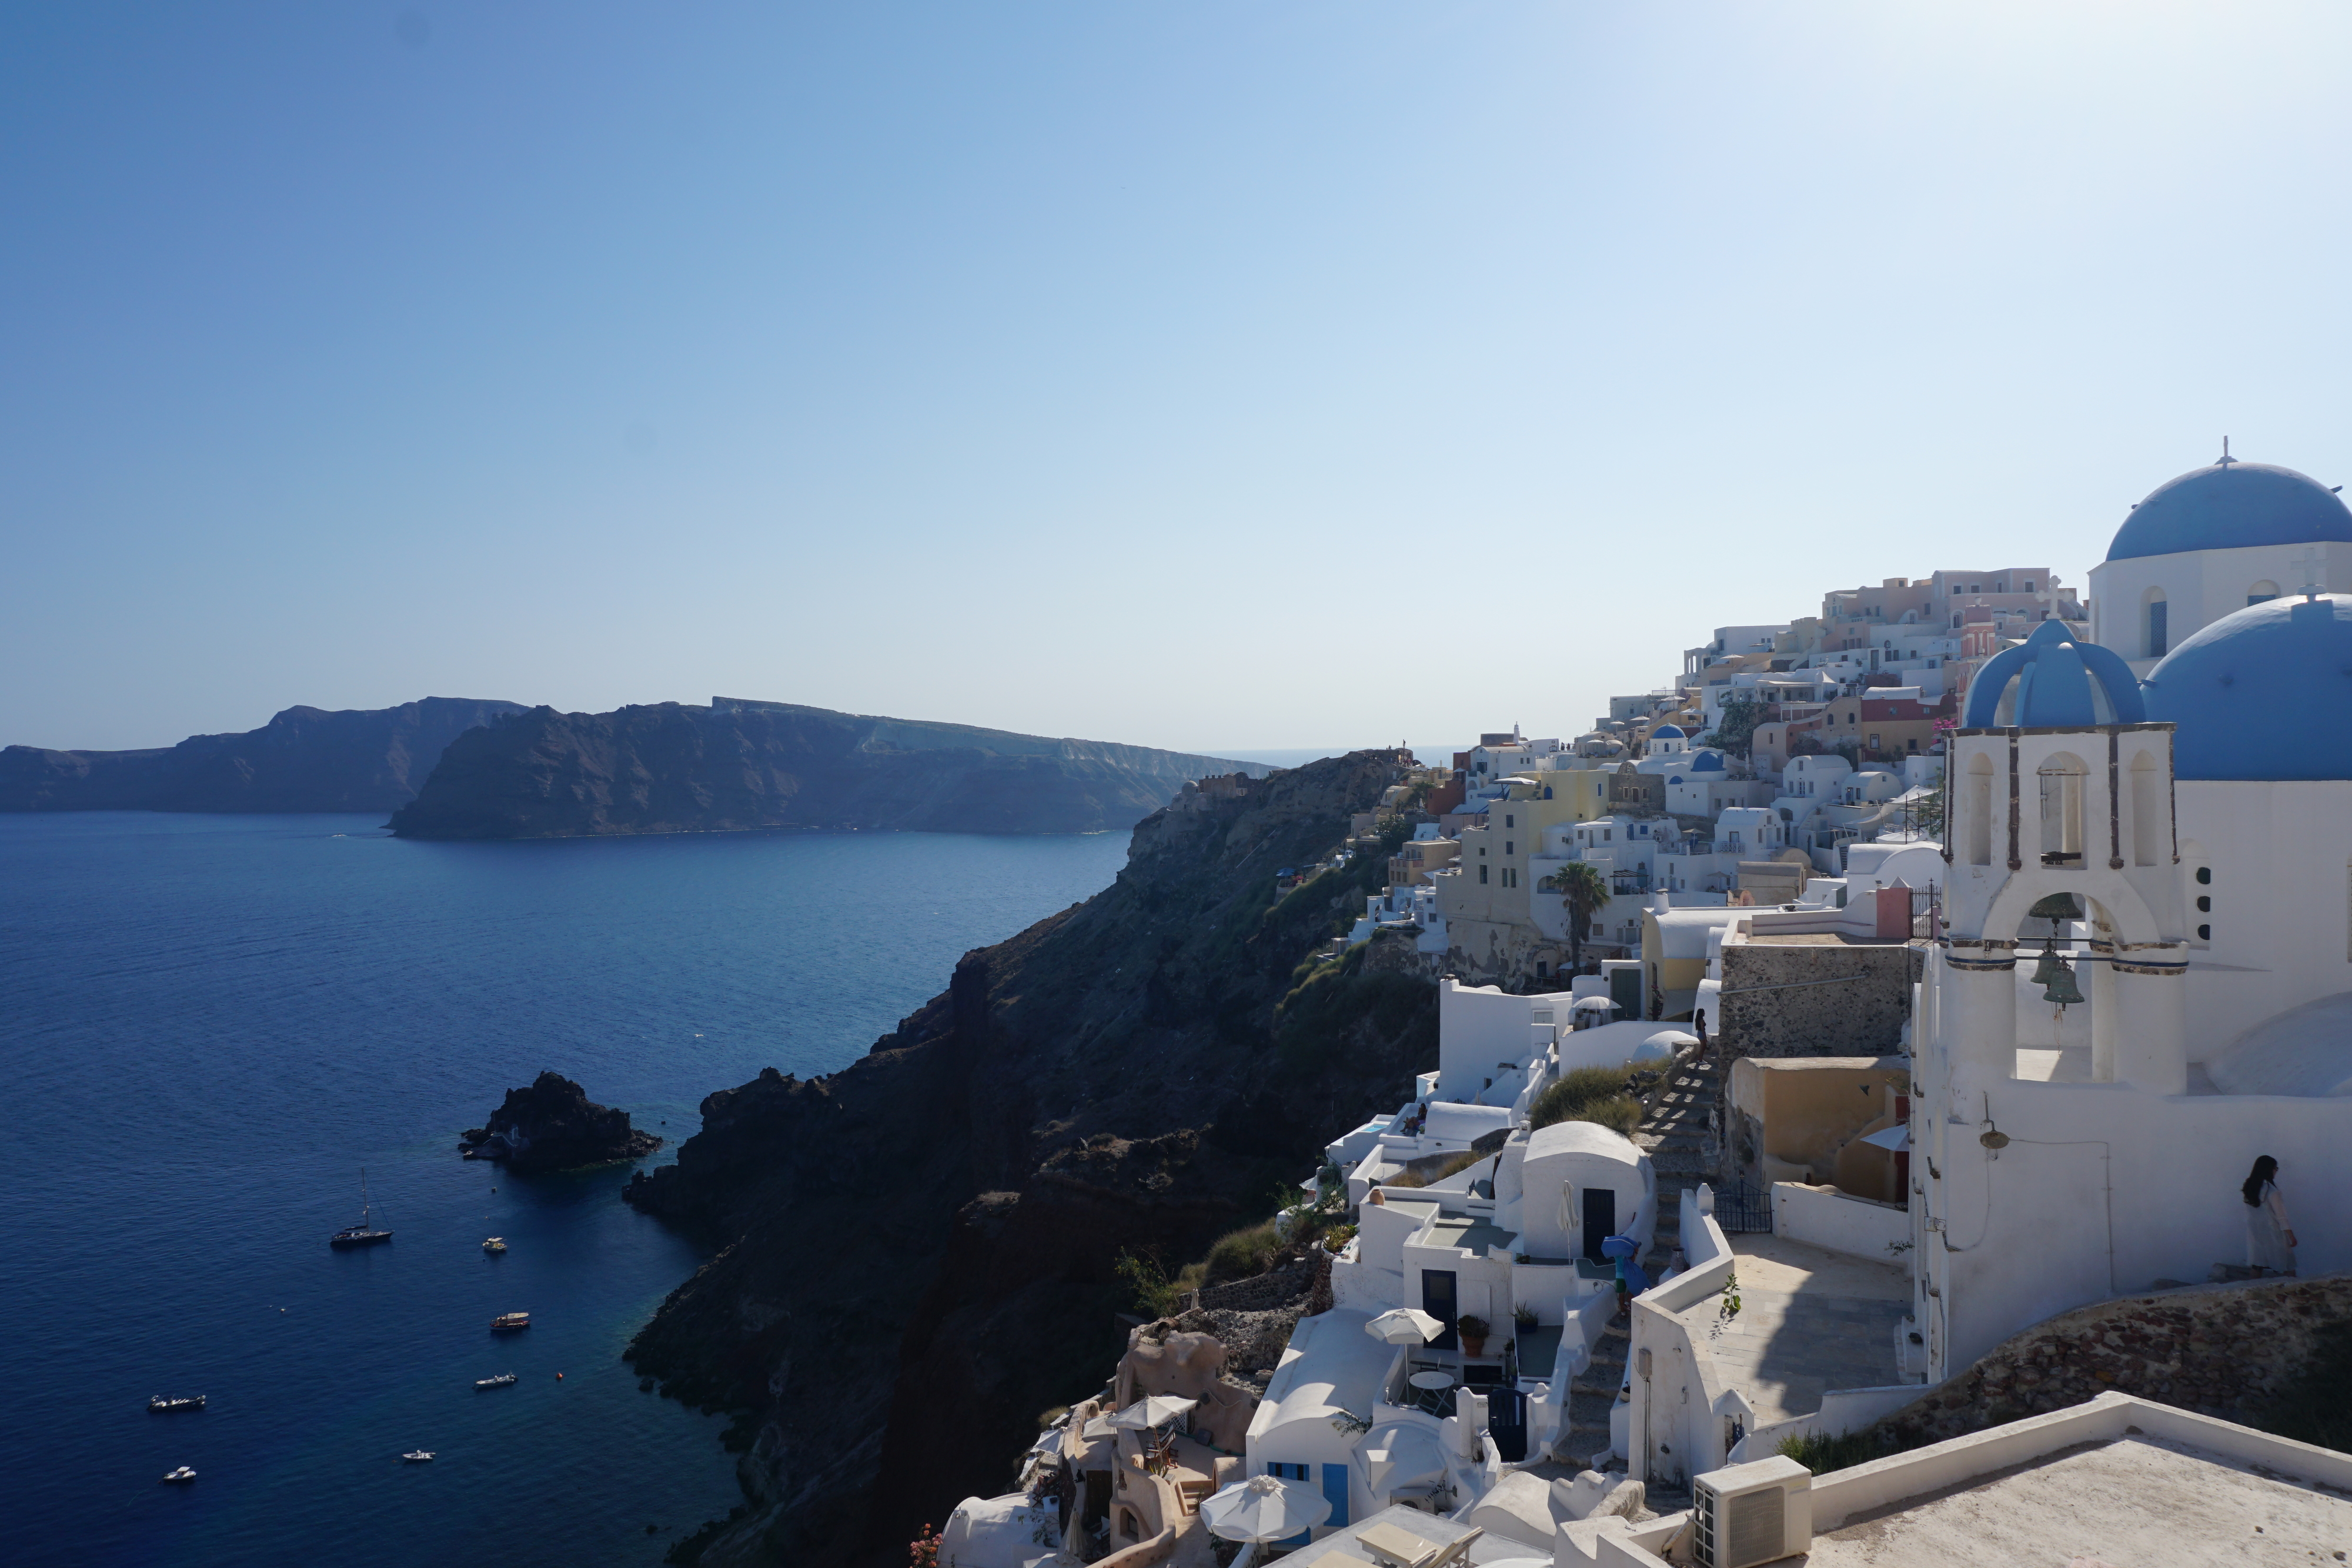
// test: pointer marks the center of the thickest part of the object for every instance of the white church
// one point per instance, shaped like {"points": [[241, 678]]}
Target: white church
{"points": [[2144, 979]]}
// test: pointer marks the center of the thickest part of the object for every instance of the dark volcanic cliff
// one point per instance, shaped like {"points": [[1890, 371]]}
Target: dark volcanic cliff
{"points": [[674, 768], [918, 1250], [305, 759]]}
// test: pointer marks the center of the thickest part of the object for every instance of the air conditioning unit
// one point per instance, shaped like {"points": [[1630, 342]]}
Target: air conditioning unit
{"points": [[1747, 1514]]}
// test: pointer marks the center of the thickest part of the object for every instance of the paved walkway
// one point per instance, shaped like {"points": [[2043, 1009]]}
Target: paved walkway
{"points": [[1810, 1321]]}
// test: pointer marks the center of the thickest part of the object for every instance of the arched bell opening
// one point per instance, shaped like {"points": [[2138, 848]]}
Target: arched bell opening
{"points": [[2058, 960], [2061, 779]]}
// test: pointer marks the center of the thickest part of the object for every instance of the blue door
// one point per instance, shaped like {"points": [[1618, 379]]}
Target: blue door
{"points": [[1335, 1490], [1282, 1472]]}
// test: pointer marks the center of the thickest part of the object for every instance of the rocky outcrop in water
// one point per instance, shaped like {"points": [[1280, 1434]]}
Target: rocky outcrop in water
{"points": [[674, 768], [553, 1125], [917, 1254], [304, 760]]}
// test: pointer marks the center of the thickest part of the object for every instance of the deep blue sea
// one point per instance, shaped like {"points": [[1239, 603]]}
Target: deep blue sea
{"points": [[209, 1024]]}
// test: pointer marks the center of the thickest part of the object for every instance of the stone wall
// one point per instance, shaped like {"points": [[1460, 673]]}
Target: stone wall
{"points": [[1768, 1010], [2218, 1350]]}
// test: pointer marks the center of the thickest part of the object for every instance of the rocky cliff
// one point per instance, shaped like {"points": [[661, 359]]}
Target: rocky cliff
{"points": [[918, 1251], [553, 1125], [304, 760], [675, 768]]}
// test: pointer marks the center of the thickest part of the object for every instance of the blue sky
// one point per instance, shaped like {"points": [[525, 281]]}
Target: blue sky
{"points": [[1212, 376]]}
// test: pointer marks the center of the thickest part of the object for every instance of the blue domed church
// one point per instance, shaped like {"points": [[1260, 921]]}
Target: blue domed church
{"points": [[2151, 827], [2215, 540]]}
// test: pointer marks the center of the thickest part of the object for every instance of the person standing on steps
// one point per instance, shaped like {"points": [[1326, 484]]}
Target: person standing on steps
{"points": [[2270, 1240]]}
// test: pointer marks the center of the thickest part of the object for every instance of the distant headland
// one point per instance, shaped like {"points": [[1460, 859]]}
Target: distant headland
{"points": [[451, 768]]}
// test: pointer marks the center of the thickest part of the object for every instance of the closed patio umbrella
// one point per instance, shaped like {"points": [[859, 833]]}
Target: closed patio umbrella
{"points": [[1404, 1325], [1156, 1411], [1264, 1509]]}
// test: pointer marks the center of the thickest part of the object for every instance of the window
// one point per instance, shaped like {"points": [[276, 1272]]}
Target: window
{"points": [[1482, 872], [1509, 821], [1874, 740], [1508, 848], [2029, 585], [2263, 592], [2157, 616]]}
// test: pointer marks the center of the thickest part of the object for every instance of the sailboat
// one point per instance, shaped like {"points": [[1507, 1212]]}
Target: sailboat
{"points": [[363, 1234]]}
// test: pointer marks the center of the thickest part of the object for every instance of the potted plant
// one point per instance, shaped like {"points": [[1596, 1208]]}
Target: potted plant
{"points": [[1523, 1315], [1473, 1331]]}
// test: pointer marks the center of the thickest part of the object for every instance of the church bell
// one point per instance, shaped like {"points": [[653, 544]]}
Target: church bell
{"points": [[2058, 978]]}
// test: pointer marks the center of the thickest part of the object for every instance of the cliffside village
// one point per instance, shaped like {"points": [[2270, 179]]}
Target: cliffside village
{"points": [[1893, 1088]]}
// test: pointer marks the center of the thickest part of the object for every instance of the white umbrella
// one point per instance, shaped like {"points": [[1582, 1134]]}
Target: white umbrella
{"points": [[1156, 1411], [1404, 1325], [1592, 1004], [1896, 1138], [1264, 1509], [1097, 1427]]}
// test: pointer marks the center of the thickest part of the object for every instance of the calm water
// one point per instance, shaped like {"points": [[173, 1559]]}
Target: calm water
{"points": [[209, 1024]]}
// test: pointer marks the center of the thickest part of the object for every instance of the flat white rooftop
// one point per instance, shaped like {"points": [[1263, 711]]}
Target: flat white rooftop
{"points": [[2136, 1501]]}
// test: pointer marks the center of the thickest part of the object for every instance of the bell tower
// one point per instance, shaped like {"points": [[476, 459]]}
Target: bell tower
{"points": [[2060, 809]]}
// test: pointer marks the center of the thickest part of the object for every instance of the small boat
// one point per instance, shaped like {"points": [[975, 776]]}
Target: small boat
{"points": [[180, 1476], [494, 1244], [503, 1380], [417, 1457], [164, 1404], [363, 1234], [506, 1320]]}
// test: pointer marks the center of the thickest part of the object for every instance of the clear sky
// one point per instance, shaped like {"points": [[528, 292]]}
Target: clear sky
{"points": [[1203, 375]]}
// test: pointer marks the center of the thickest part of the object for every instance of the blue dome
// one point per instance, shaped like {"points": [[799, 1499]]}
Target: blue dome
{"points": [[2257, 694], [1667, 732], [1708, 762], [2230, 504], [2050, 680]]}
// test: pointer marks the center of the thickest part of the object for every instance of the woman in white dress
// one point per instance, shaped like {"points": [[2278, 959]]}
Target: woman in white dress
{"points": [[2270, 1240]]}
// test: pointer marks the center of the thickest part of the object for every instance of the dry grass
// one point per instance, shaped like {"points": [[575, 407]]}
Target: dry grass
{"points": [[1597, 1095]]}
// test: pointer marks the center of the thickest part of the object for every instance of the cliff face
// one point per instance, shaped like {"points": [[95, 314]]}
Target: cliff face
{"points": [[735, 765], [304, 760], [919, 1250]]}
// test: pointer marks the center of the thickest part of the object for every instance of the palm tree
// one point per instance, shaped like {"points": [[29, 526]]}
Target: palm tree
{"points": [[1587, 893]]}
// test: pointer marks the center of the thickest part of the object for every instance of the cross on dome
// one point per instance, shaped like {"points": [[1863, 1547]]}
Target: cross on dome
{"points": [[2311, 570], [2225, 459]]}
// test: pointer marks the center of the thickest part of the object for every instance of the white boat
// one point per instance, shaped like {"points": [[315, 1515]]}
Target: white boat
{"points": [[494, 1244], [503, 1380], [417, 1455], [180, 1476]]}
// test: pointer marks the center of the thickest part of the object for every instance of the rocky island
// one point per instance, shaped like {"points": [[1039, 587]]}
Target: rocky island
{"points": [[553, 1125], [737, 765], [940, 1225], [304, 760]]}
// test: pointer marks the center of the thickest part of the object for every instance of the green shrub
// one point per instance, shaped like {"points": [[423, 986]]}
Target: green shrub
{"points": [[1237, 1254], [1819, 1452], [1598, 1094]]}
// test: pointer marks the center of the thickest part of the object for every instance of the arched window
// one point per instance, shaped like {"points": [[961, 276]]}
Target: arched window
{"points": [[2062, 777], [2147, 809], [2156, 640], [2262, 592]]}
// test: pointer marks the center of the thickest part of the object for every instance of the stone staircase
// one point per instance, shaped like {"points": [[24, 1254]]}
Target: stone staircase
{"points": [[1680, 1133]]}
